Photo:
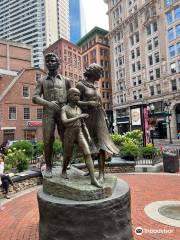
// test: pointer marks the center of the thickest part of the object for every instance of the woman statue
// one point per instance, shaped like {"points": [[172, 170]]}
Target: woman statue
{"points": [[91, 103]]}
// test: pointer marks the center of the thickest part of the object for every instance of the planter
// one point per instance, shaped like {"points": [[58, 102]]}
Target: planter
{"points": [[129, 158]]}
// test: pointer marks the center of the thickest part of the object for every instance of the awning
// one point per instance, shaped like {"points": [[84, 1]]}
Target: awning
{"points": [[8, 128], [34, 123], [123, 122]]}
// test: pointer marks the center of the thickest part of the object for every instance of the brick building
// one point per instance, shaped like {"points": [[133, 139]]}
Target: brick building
{"points": [[19, 117], [14, 57], [70, 59], [95, 49]]}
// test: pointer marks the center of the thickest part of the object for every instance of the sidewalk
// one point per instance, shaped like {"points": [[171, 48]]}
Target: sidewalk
{"points": [[19, 219], [165, 143]]}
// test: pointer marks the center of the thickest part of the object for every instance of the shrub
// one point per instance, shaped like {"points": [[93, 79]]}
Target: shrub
{"points": [[118, 139], [57, 148], [22, 161], [130, 149], [16, 158], [135, 135], [38, 149], [149, 151], [24, 145]]}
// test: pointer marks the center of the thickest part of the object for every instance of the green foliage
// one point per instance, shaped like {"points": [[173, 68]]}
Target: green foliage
{"points": [[57, 147], [135, 135], [23, 145], [118, 139], [149, 151], [22, 161], [38, 149], [16, 158], [130, 149]]}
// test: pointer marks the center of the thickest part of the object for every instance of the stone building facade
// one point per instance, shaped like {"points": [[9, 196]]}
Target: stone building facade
{"points": [[145, 61], [95, 49], [70, 59], [19, 117]]}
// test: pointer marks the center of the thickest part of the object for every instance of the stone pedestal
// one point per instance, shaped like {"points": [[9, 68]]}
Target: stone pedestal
{"points": [[103, 219]]}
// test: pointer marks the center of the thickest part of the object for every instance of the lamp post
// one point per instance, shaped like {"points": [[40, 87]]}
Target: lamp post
{"points": [[152, 121], [167, 105]]}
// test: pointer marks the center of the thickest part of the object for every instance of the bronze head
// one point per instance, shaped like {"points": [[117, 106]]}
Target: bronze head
{"points": [[73, 95], [93, 71], [52, 61]]}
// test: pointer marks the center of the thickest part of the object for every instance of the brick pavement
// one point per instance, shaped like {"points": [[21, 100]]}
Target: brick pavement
{"points": [[19, 219]]}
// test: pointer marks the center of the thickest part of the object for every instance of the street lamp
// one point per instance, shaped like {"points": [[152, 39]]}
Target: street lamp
{"points": [[167, 105]]}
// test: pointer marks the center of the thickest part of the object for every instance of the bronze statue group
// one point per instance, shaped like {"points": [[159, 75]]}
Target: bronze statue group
{"points": [[79, 116]]}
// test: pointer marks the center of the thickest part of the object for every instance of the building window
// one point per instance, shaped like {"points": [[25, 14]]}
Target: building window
{"points": [[173, 67], [132, 54], [151, 75], [134, 81], [178, 31], [148, 29], [39, 113], [174, 85], [134, 95], [156, 55], [155, 26], [140, 93], [169, 17], [152, 90], [26, 113], [137, 37], [172, 51], [177, 13], [150, 60], [107, 84], [149, 43], [138, 52], [25, 91], [158, 73], [12, 113], [133, 67], [171, 34], [139, 79], [158, 88], [156, 42], [167, 2], [178, 65], [138, 65], [132, 40], [178, 48], [29, 134]]}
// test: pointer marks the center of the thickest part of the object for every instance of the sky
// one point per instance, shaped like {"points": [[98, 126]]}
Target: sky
{"points": [[95, 14]]}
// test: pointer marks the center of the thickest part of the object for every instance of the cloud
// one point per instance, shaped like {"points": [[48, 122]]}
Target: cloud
{"points": [[95, 14]]}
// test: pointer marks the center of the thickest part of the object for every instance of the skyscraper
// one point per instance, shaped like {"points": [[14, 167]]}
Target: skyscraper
{"points": [[38, 23], [77, 20]]}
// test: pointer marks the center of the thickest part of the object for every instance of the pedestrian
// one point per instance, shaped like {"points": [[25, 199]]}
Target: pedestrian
{"points": [[5, 178]]}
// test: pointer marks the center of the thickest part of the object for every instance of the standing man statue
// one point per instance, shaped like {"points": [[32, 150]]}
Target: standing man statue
{"points": [[51, 93]]}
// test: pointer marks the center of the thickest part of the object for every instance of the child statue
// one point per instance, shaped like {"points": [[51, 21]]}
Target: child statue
{"points": [[76, 132]]}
